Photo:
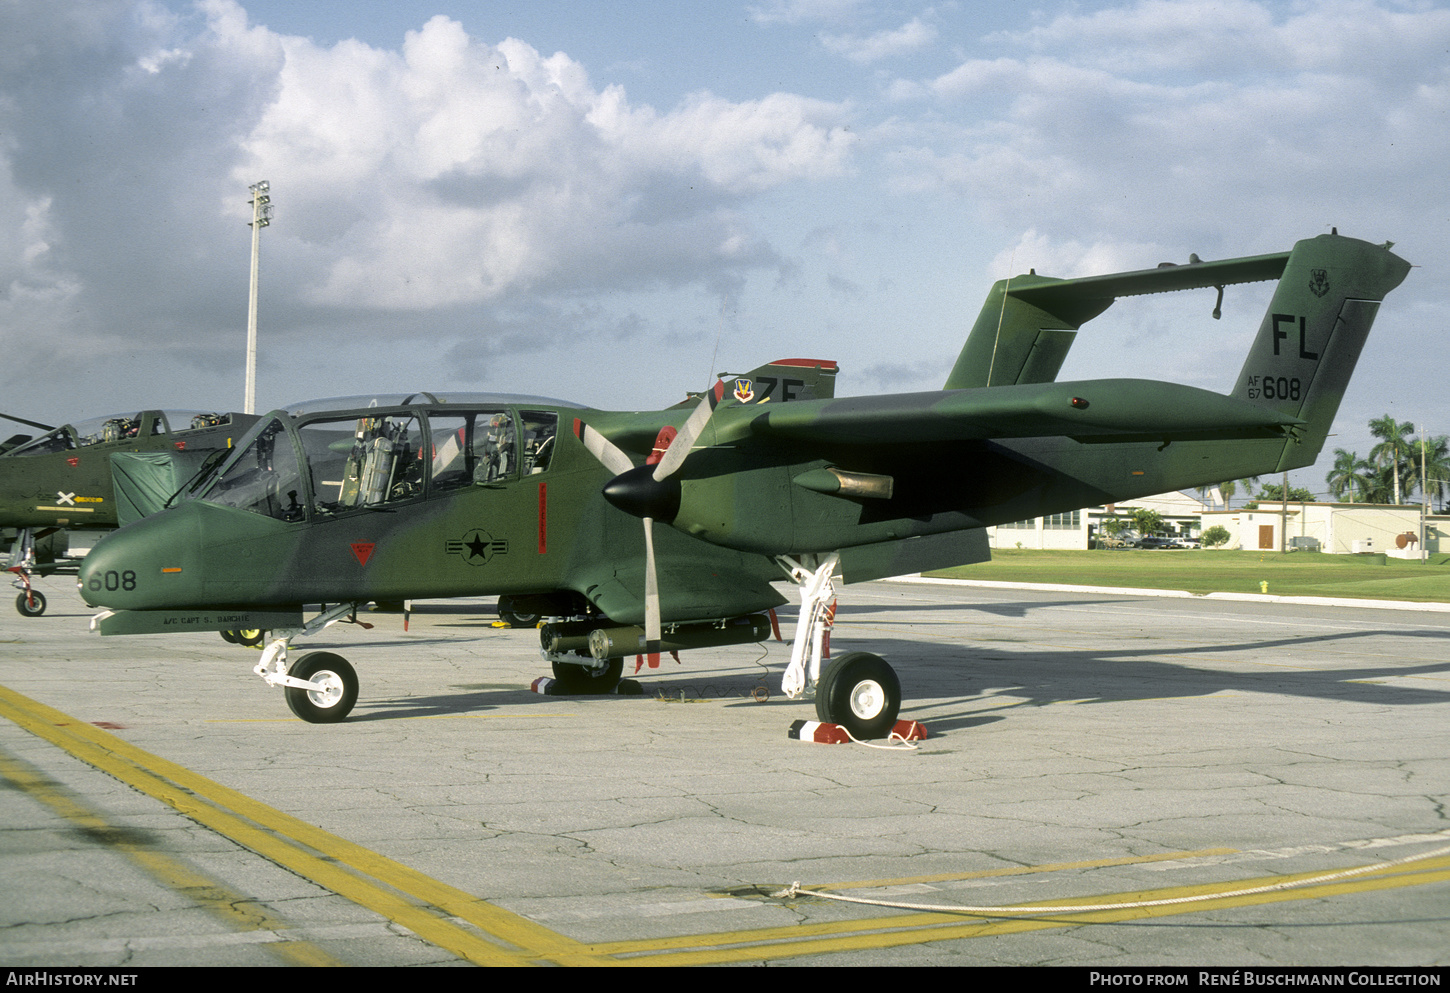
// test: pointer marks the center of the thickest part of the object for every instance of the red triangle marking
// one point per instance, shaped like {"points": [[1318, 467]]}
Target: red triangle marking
{"points": [[362, 551]]}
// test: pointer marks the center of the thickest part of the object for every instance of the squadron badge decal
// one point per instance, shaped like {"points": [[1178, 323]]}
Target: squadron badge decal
{"points": [[1319, 282]]}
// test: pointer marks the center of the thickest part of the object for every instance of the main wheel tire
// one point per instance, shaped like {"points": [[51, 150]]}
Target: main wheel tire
{"points": [[860, 692], [250, 637], [581, 680], [330, 704], [513, 617], [230, 637], [30, 604]]}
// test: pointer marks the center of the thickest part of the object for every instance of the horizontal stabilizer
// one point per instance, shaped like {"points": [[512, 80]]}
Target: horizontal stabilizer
{"points": [[1029, 323], [1066, 294]]}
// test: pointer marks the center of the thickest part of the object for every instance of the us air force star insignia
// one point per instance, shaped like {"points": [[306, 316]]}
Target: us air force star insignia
{"points": [[744, 390], [478, 546], [1319, 282], [66, 499]]}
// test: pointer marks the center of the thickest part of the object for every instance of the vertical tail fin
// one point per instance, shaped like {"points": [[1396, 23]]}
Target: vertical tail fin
{"points": [[1311, 337], [780, 381], [1015, 342]]}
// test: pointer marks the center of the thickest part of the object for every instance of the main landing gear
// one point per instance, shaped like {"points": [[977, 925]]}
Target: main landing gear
{"points": [[858, 691]]}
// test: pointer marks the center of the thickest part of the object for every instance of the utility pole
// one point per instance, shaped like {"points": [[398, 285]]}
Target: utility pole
{"points": [[261, 217], [1284, 518], [1424, 499]]}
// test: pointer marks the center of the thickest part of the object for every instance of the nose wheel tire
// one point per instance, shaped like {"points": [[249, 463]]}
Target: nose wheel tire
{"points": [[30, 604], [860, 692], [337, 693]]}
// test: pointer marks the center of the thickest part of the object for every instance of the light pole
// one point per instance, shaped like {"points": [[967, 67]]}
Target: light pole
{"points": [[261, 217]]}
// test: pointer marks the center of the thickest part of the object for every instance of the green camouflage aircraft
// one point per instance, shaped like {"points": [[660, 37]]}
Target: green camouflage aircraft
{"points": [[541, 502], [72, 476]]}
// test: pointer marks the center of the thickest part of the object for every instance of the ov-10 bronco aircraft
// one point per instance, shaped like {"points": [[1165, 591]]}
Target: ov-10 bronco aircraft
{"points": [[639, 533], [95, 475]]}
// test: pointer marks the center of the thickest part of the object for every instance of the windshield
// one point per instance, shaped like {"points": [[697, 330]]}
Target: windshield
{"points": [[263, 476]]}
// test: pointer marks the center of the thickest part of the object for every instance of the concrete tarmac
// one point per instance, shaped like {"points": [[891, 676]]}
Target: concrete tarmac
{"points": [[163, 806]]}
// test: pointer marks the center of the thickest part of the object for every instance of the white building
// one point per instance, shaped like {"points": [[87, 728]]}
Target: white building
{"points": [[1181, 514], [1338, 528]]}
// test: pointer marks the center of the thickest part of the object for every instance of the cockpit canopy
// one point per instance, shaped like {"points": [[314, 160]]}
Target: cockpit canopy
{"points": [[118, 427], [326, 464]]}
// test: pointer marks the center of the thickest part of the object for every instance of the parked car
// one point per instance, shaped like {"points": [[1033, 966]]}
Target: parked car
{"points": [[1156, 541]]}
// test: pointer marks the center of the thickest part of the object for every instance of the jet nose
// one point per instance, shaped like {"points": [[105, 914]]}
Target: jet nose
{"points": [[144, 565]]}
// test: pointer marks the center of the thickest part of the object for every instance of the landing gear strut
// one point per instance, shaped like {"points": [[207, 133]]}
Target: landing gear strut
{"points": [[31, 602], [858, 691]]}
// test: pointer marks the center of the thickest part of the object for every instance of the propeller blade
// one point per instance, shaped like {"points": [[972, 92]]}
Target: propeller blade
{"points": [[684, 441], [606, 451], [639, 491], [651, 596]]}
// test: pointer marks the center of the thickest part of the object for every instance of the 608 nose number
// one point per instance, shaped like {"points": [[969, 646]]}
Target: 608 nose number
{"points": [[112, 581]]}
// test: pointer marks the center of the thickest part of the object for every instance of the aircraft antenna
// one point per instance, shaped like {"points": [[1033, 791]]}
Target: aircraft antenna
{"points": [[719, 334]]}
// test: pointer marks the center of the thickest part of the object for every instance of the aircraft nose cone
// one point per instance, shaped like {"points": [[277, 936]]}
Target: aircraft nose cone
{"points": [[144, 565]]}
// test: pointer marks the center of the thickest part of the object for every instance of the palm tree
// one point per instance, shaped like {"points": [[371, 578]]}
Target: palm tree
{"points": [[1350, 475], [1394, 450], [1436, 462]]}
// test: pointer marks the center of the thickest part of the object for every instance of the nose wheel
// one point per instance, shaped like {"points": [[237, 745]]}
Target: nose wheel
{"points": [[860, 692], [31, 603], [332, 691]]}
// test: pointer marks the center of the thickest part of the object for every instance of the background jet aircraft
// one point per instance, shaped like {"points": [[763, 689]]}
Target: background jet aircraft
{"points": [[542, 502], [68, 479]]}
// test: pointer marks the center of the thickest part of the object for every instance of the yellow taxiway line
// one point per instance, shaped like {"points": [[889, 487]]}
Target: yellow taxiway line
{"points": [[919, 928], [235, 911], [408, 897], [432, 909]]}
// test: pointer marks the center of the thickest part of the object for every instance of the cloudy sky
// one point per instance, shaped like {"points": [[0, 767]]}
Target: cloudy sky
{"points": [[610, 202]]}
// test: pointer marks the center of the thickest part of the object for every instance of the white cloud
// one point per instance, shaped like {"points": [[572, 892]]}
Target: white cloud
{"points": [[455, 171], [1193, 115], [804, 11], [910, 37], [444, 174]]}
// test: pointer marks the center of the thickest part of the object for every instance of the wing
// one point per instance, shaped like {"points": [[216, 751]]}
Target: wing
{"points": [[1101, 410]]}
